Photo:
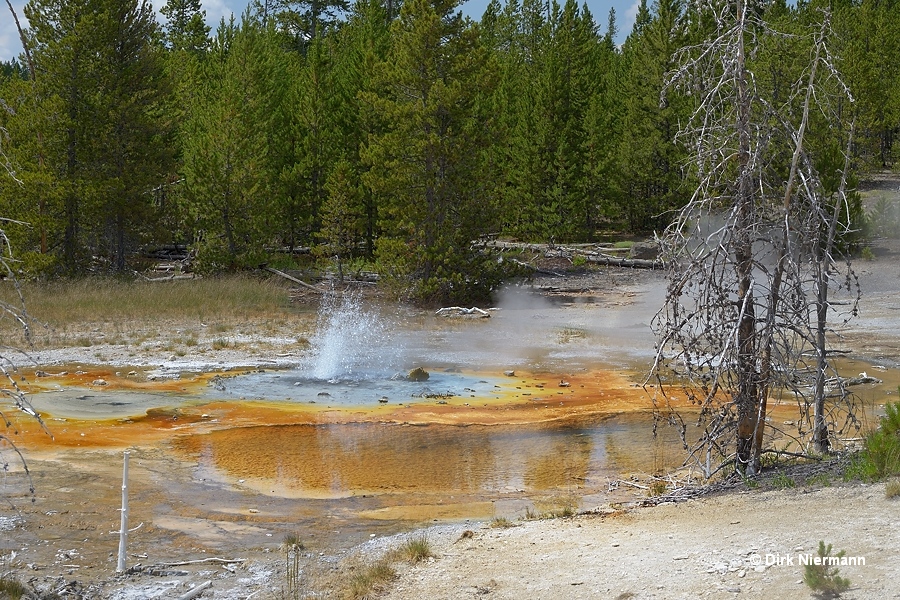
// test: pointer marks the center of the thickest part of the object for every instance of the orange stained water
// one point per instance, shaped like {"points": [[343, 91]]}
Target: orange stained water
{"points": [[185, 404], [339, 460], [428, 458]]}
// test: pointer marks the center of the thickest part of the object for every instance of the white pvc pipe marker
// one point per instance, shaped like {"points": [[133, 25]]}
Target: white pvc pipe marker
{"points": [[123, 529]]}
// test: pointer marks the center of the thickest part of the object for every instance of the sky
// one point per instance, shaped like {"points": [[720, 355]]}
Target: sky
{"points": [[216, 9]]}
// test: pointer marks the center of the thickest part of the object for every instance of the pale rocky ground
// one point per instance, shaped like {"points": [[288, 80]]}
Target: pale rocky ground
{"points": [[705, 548]]}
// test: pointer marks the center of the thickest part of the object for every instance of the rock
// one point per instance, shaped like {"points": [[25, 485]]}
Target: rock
{"points": [[384, 399], [418, 374], [41, 374], [644, 251], [509, 373], [99, 382]]}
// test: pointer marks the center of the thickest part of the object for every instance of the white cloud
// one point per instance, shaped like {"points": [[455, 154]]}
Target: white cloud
{"points": [[216, 10], [630, 18], [10, 45]]}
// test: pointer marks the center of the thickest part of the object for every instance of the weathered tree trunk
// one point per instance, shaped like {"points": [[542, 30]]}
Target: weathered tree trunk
{"points": [[749, 417], [820, 439]]}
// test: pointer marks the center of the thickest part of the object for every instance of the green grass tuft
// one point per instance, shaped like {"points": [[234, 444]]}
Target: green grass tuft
{"points": [[416, 549], [880, 458], [892, 489], [369, 579], [12, 589], [783, 482]]}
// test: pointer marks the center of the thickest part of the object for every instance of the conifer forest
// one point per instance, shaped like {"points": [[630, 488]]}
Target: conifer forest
{"points": [[396, 134]]}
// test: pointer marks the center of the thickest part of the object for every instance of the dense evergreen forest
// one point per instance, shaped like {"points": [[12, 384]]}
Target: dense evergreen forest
{"points": [[395, 133]]}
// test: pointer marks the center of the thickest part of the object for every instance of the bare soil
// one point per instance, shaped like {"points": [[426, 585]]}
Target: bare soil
{"points": [[740, 545]]}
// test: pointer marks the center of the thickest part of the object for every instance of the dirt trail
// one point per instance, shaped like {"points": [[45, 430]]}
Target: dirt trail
{"points": [[706, 548]]}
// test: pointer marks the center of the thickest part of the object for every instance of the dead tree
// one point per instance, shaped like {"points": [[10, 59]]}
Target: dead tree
{"points": [[13, 310], [746, 252]]}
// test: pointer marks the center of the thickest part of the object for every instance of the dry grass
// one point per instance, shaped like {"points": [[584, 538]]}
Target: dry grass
{"points": [[362, 577], [414, 550], [501, 523], [553, 507], [12, 588], [657, 488], [368, 579], [90, 300], [892, 489], [88, 312]]}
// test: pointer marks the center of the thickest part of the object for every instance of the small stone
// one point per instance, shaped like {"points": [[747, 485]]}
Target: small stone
{"points": [[509, 373], [41, 374], [99, 382], [418, 374], [742, 573]]}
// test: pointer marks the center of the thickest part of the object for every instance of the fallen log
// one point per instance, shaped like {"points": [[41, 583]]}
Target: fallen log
{"points": [[533, 268], [213, 559], [294, 279], [633, 263], [594, 256], [195, 591], [459, 311]]}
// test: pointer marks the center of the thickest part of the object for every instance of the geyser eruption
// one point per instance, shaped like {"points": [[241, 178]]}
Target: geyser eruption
{"points": [[351, 342]]}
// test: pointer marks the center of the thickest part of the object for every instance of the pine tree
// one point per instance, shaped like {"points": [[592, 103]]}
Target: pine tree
{"points": [[649, 160], [313, 145], [363, 43], [63, 46], [226, 148], [343, 221], [186, 29], [99, 77], [425, 163]]}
